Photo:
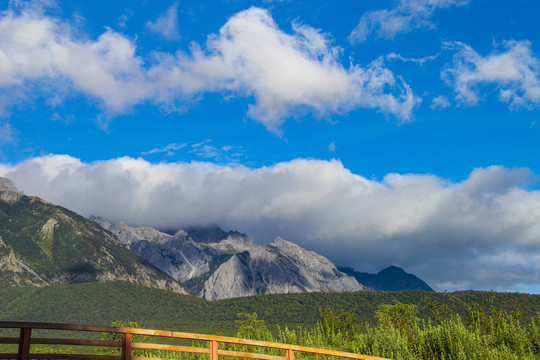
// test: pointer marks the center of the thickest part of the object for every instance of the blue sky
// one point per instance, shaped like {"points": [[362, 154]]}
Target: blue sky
{"points": [[406, 132]]}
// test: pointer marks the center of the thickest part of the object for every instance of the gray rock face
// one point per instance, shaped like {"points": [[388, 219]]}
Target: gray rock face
{"points": [[8, 191], [14, 271], [234, 243], [280, 267], [215, 264], [178, 256], [129, 235]]}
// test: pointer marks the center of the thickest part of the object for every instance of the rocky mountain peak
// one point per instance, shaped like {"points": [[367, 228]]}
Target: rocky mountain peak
{"points": [[8, 192], [306, 257], [279, 267], [129, 235], [180, 235], [392, 270], [392, 278], [234, 243]]}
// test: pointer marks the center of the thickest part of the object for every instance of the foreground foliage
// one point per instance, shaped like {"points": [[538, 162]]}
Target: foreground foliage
{"points": [[400, 334]]}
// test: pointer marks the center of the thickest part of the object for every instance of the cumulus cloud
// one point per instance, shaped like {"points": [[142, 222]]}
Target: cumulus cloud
{"points": [[406, 16], [37, 48], [480, 233], [166, 24], [512, 69], [285, 74]]}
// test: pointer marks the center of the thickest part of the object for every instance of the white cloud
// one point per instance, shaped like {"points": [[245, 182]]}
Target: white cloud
{"points": [[166, 24], [124, 18], [514, 71], [419, 61], [406, 16], [168, 149], [285, 74], [40, 49], [483, 232], [440, 102], [332, 147], [202, 150]]}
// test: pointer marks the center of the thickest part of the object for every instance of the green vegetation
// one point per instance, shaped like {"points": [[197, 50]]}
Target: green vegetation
{"points": [[398, 325], [399, 334], [61, 246], [103, 303]]}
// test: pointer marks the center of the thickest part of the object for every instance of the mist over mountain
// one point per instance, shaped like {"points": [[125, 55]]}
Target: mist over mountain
{"points": [[41, 243]]}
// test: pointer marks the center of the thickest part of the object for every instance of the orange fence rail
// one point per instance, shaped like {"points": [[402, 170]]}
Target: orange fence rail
{"points": [[126, 346]]}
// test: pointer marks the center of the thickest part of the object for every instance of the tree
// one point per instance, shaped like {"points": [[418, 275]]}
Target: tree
{"points": [[400, 316]]}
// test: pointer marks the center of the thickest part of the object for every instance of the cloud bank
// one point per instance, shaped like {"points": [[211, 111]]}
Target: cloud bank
{"points": [[406, 16], [282, 74], [481, 233]]}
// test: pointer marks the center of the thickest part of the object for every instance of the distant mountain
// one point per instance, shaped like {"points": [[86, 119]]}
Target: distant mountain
{"points": [[187, 261], [278, 268], [215, 264], [41, 243], [392, 278]]}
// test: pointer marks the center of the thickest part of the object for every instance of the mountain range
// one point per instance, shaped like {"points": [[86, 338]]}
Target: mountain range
{"points": [[41, 243], [222, 265]]}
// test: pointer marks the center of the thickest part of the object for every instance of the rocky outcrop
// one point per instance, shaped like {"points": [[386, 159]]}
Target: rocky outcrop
{"points": [[277, 268], [129, 235], [8, 191], [179, 257], [15, 272], [234, 243]]}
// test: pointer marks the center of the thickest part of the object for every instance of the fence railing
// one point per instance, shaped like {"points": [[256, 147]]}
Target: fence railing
{"points": [[126, 346]]}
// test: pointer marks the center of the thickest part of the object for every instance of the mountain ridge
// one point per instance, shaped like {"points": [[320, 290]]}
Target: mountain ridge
{"points": [[391, 278], [42, 243], [215, 264]]}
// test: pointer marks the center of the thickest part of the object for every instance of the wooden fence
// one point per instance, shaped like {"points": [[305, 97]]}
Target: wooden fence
{"points": [[25, 339]]}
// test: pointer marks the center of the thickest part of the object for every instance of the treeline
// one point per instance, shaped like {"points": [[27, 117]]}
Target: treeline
{"points": [[102, 303]]}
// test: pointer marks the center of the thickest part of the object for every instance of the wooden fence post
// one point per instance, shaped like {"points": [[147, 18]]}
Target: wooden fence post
{"points": [[126, 346], [24, 344], [290, 354], [213, 350]]}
